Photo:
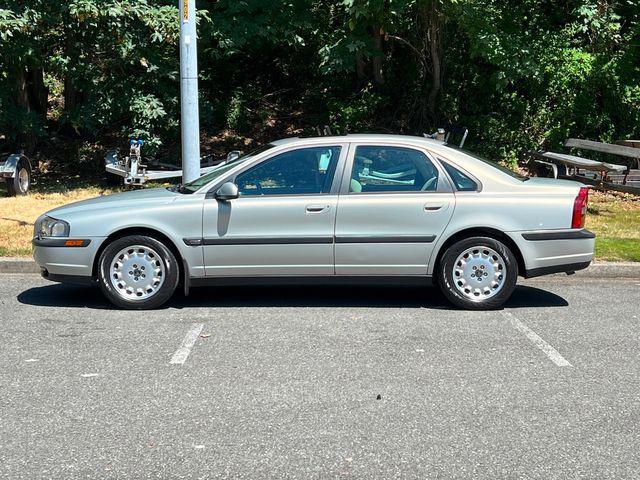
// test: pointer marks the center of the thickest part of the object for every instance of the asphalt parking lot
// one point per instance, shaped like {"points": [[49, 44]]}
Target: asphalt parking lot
{"points": [[321, 382]]}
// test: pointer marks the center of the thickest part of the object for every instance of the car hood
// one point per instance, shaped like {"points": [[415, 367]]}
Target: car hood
{"points": [[125, 200]]}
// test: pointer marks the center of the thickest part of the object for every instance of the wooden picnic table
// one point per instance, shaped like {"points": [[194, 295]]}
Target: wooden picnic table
{"points": [[566, 165], [584, 163]]}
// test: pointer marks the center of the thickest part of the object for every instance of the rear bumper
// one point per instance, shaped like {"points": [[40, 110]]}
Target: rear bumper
{"points": [[554, 251], [567, 268]]}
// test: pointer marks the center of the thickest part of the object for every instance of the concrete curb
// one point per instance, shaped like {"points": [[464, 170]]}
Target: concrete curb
{"points": [[18, 265], [611, 270], [596, 270]]}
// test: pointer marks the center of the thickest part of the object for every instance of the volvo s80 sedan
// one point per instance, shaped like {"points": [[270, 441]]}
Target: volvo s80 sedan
{"points": [[358, 208]]}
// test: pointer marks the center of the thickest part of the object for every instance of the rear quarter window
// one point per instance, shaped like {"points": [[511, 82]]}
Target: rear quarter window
{"points": [[462, 181]]}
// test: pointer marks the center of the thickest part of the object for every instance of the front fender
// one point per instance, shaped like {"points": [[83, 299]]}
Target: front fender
{"points": [[175, 218]]}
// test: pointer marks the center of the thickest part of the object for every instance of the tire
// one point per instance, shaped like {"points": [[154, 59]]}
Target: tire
{"points": [[138, 272], [20, 183], [478, 273]]}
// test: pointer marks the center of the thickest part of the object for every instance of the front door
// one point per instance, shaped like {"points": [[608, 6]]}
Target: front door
{"points": [[282, 223], [396, 203]]}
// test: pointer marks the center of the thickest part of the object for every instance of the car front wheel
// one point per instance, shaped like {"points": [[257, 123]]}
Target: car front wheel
{"points": [[478, 273], [138, 272]]}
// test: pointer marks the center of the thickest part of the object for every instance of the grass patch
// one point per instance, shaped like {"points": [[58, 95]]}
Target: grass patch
{"points": [[15, 252], [618, 249], [18, 214], [615, 219]]}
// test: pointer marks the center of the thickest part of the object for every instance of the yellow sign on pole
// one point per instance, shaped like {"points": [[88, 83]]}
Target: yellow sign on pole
{"points": [[185, 11]]}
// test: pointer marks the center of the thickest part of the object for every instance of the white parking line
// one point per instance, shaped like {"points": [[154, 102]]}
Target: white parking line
{"points": [[549, 351], [189, 341]]}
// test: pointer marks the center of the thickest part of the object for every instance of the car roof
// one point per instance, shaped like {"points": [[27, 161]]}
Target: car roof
{"points": [[360, 137]]}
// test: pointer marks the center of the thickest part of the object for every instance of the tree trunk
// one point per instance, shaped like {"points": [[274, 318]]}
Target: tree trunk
{"points": [[430, 20], [377, 61], [38, 92], [31, 92], [435, 55], [31, 97]]}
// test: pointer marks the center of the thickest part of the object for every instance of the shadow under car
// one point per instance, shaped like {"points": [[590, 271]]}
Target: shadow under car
{"points": [[71, 296]]}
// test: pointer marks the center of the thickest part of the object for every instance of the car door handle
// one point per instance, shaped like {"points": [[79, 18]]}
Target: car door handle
{"points": [[317, 208], [435, 207]]}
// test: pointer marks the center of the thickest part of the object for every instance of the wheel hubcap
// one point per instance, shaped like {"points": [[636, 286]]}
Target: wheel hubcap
{"points": [[479, 273], [23, 179], [137, 272]]}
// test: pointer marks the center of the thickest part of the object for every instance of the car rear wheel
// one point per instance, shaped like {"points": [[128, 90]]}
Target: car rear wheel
{"points": [[138, 272], [478, 273]]}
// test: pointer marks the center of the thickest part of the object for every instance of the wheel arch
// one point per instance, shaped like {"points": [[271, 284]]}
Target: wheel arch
{"points": [[12, 162], [146, 231], [481, 232]]}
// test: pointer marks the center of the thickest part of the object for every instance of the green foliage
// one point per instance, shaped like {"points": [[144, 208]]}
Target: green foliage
{"points": [[519, 74], [357, 113]]}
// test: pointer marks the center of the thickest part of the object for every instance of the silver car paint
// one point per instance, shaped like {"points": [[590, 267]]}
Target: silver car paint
{"points": [[172, 214], [505, 204], [274, 217], [388, 216]]}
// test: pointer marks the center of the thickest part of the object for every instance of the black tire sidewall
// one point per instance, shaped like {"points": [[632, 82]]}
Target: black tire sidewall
{"points": [[446, 280], [13, 184], [167, 257]]}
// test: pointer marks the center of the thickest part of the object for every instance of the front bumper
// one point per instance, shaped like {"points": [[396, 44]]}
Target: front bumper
{"points": [[56, 259]]}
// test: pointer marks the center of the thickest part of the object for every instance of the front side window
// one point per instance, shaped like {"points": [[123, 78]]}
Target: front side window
{"points": [[304, 171], [392, 169], [221, 169]]}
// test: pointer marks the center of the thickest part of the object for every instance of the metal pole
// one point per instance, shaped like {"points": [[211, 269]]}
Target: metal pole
{"points": [[190, 117]]}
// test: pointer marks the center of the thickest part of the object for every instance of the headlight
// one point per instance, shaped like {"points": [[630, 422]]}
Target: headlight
{"points": [[52, 227]]}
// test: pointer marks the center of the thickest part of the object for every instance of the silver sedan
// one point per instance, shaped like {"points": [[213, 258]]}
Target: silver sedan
{"points": [[358, 208]]}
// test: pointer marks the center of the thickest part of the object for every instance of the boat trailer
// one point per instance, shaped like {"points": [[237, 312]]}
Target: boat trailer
{"points": [[134, 169]]}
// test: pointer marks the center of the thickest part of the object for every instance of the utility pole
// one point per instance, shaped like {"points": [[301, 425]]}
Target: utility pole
{"points": [[190, 116]]}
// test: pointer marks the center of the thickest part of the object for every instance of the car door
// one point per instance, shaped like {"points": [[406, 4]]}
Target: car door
{"points": [[283, 221], [395, 202]]}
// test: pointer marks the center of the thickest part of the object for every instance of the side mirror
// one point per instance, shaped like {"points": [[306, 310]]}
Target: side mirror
{"points": [[231, 156], [228, 191]]}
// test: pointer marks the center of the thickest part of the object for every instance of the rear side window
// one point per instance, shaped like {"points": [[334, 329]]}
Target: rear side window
{"points": [[392, 169], [462, 181]]}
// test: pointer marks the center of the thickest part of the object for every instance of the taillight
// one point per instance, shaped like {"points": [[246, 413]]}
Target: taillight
{"points": [[580, 208]]}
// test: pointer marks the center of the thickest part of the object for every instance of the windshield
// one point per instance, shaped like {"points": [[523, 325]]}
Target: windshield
{"points": [[221, 170], [495, 165]]}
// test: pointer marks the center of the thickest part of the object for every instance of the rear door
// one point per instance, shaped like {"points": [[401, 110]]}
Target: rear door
{"points": [[395, 203]]}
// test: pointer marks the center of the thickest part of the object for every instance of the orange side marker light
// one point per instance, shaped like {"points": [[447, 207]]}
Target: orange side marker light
{"points": [[74, 243]]}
